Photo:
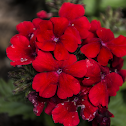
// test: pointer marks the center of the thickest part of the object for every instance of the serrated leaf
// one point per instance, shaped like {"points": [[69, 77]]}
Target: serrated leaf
{"points": [[14, 104]]}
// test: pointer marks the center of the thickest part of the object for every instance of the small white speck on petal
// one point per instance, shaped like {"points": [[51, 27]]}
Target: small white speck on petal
{"points": [[72, 24]]}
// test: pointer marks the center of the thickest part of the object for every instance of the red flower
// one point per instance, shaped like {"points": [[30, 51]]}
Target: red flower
{"points": [[52, 36], [117, 65], [57, 74], [106, 83], [95, 25], [118, 46], [43, 14], [66, 113], [98, 46], [37, 101], [28, 29], [51, 104], [74, 13], [102, 117], [21, 51], [87, 109], [104, 46]]}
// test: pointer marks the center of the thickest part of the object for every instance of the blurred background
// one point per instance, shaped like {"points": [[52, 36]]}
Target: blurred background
{"points": [[112, 14]]}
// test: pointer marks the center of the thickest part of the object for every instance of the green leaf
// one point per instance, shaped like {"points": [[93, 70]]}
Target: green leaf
{"points": [[14, 104], [118, 108]]}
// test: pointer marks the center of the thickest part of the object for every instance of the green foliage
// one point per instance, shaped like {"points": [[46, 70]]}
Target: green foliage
{"points": [[118, 107], [14, 104], [112, 3]]}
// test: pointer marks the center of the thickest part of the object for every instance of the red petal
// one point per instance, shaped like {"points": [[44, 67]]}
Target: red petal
{"points": [[72, 59], [45, 84], [37, 101], [89, 111], [71, 11], [91, 80], [113, 81], [36, 22], [50, 106], [118, 46], [95, 25], [60, 52], [46, 36], [117, 62], [58, 28], [93, 68], [20, 51], [25, 28], [123, 74], [73, 31], [104, 56], [106, 35], [78, 69], [46, 45], [91, 50], [82, 25], [42, 14], [66, 114], [69, 42], [45, 25], [93, 73], [44, 62], [99, 95], [68, 86]]}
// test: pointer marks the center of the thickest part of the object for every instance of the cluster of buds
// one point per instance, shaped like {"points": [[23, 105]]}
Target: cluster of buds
{"points": [[113, 19], [76, 64]]}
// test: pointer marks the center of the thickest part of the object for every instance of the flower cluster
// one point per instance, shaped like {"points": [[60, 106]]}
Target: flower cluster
{"points": [[78, 65]]}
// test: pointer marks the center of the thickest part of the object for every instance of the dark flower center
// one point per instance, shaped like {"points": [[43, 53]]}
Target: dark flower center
{"points": [[56, 39], [103, 44], [59, 71]]}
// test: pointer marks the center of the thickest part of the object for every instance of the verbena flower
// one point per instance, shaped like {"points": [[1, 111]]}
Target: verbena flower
{"points": [[69, 57]]}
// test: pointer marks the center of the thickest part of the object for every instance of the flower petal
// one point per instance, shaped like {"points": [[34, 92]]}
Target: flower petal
{"points": [[71, 11], [44, 62], [36, 22], [45, 83], [58, 28], [91, 49], [46, 45], [106, 35], [89, 111], [104, 56], [77, 69], [25, 28], [37, 101], [82, 25], [66, 114], [95, 24], [73, 31], [99, 95], [20, 51], [42, 14], [68, 86], [113, 81], [45, 25], [60, 52], [69, 42], [72, 59], [118, 46]]}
